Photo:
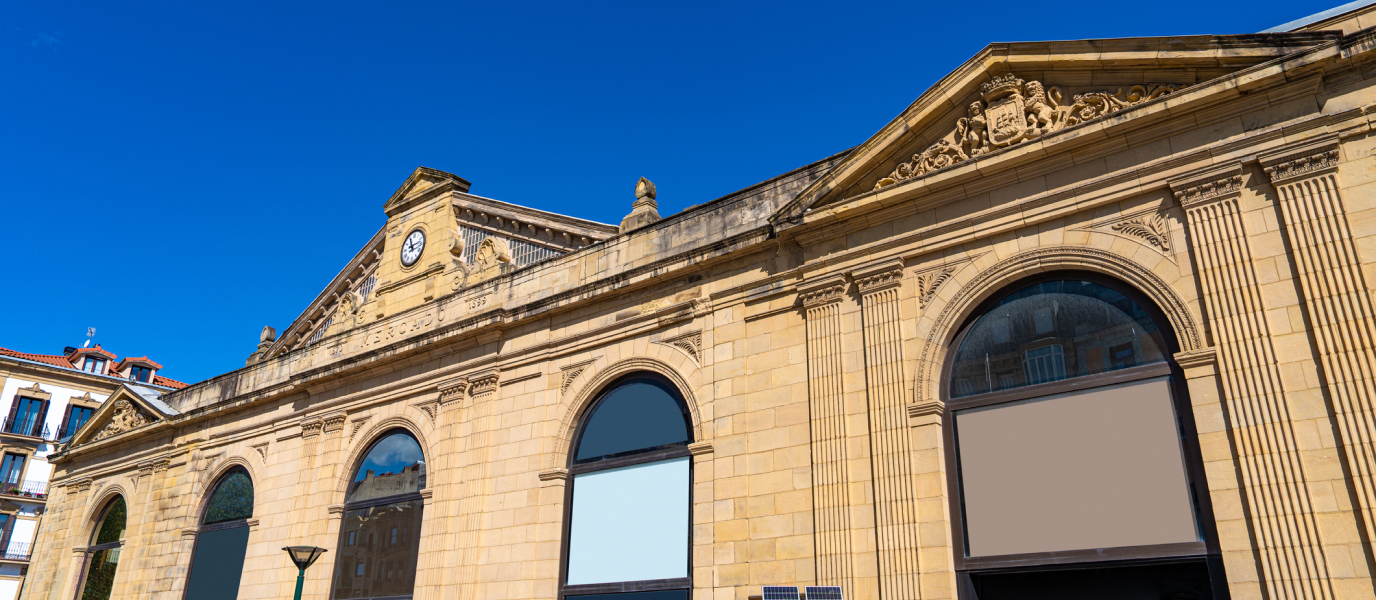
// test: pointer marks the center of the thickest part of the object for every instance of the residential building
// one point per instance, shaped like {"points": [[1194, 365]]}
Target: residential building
{"points": [[1087, 319], [50, 397]]}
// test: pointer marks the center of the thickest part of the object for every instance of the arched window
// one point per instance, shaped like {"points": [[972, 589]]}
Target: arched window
{"points": [[627, 521], [102, 556], [218, 560], [1075, 457], [379, 539]]}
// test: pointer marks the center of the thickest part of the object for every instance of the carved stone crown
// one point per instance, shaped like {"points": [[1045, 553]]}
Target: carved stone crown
{"points": [[1303, 165], [1202, 187], [1000, 86]]}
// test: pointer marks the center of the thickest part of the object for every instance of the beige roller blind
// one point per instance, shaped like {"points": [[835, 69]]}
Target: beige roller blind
{"points": [[1095, 469]]}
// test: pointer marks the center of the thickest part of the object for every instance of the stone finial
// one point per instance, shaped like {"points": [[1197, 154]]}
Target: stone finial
{"points": [[265, 340], [269, 334], [644, 210]]}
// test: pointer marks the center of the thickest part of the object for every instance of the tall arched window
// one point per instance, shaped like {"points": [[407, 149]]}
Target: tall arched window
{"points": [[379, 539], [102, 556], [627, 521], [1075, 459], [218, 560]]}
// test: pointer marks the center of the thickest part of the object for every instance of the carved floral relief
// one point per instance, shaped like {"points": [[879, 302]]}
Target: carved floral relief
{"points": [[1011, 111], [125, 418]]}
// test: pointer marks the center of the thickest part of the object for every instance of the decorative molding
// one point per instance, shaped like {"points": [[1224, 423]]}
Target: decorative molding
{"points": [[690, 343], [1150, 227], [571, 372], [427, 494], [1310, 159], [930, 281], [926, 409], [875, 278], [555, 475], [1199, 357], [452, 391], [700, 448], [520, 378], [334, 423], [335, 509], [190, 531], [36, 391], [209, 461], [1207, 185], [312, 428], [1011, 111], [430, 407], [822, 291], [358, 424], [125, 417], [262, 450]]}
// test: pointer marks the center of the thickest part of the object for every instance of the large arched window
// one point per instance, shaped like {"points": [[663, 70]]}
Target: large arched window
{"points": [[218, 560], [102, 556], [379, 539], [1075, 459], [627, 521]]}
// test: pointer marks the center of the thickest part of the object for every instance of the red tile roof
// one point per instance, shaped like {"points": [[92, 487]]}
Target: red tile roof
{"points": [[65, 362]]}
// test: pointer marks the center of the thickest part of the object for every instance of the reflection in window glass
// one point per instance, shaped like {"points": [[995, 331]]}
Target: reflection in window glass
{"points": [[218, 564], [112, 526], [1051, 331], [394, 571], [102, 564], [232, 500], [394, 466], [636, 416]]}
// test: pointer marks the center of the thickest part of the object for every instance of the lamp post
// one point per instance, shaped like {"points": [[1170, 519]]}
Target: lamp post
{"points": [[303, 556]]}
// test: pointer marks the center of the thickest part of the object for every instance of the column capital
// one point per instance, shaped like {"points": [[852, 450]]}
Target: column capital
{"points": [[879, 276], [1211, 184], [823, 290], [1309, 158]]}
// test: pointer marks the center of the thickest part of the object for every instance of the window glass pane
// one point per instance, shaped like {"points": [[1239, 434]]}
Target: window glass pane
{"points": [[374, 567], [630, 524], [1051, 331], [112, 526], [100, 575], [233, 499], [218, 564], [635, 416], [655, 595], [394, 465], [26, 416], [11, 468], [1096, 469]]}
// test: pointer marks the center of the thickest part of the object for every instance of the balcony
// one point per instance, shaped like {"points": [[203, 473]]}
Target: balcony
{"points": [[28, 427], [18, 551], [25, 490]]}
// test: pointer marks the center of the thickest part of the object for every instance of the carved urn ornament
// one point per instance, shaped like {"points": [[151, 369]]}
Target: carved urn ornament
{"points": [[644, 210], [1011, 111]]}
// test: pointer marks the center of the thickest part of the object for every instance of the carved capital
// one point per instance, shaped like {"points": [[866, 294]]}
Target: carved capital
{"points": [[452, 391], [878, 277], [1312, 158], [1208, 185], [822, 291], [333, 423], [312, 427], [484, 382]]}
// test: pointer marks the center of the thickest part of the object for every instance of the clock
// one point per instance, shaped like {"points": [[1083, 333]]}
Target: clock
{"points": [[412, 247]]}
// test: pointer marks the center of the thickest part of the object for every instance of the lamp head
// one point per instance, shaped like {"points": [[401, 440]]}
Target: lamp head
{"points": [[304, 556]]}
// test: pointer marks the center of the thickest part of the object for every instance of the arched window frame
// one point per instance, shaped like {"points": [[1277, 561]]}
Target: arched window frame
{"points": [[93, 548], [206, 500], [1207, 549], [575, 468], [418, 496]]}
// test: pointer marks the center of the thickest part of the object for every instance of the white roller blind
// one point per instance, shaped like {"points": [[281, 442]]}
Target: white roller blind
{"points": [[630, 524], [1096, 469]]}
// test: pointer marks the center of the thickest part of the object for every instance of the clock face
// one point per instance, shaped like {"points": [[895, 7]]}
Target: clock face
{"points": [[412, 247]]}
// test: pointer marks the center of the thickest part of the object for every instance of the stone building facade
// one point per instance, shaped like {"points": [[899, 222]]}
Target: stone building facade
{"points": [[925, 367]]}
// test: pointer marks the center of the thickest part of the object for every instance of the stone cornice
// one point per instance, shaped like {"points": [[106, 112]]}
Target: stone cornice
{"points": [[1208, 185], [1311, 158]]}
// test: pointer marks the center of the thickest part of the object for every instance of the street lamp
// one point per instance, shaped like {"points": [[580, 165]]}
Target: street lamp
{"points": [[303, 556]]}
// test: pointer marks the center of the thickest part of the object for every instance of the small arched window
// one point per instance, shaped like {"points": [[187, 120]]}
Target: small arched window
{"points": [[379, 539], [217, 563], [102, 556], [1073, 442], [628, 517]]}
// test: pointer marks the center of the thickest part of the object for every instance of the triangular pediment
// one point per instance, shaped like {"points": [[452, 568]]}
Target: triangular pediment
{"points": [[130, 407], [1009, 96], [423, 184]]}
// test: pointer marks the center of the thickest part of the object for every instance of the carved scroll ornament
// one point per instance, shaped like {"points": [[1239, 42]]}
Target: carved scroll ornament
{"points": [[1012, 111]]}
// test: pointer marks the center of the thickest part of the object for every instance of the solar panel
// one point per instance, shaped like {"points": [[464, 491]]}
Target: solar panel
{"points": [[824, 592], [780, 592]]}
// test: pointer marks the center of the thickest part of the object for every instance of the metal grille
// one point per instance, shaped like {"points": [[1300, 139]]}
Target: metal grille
{"points": [[367, 287], [823, 592], [780, 592], [319, 333], [522, 252]]}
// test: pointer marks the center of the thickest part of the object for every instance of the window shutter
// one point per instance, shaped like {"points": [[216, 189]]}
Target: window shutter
{"points": [[14, 410], [42, 414], [61, 431]]}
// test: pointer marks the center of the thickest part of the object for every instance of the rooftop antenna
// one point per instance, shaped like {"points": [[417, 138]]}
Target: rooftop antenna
{"points": [[90, 333]]}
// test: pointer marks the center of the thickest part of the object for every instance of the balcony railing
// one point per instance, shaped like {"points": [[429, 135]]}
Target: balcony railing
{"points": [[27, 426], [37, 490], [18, 551]]}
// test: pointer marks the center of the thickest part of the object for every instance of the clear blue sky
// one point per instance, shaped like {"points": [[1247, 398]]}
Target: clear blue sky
{"points": [[178, 175]]}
